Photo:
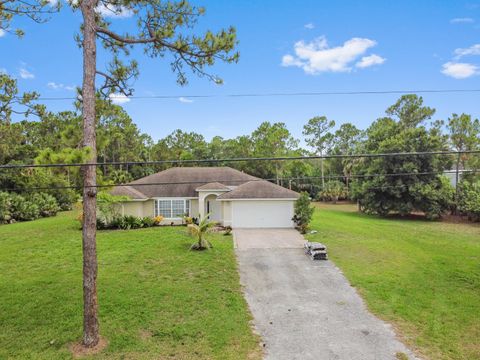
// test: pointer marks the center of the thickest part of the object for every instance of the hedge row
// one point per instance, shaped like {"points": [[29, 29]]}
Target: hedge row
{"points": [[15, 207], [125, 223]]}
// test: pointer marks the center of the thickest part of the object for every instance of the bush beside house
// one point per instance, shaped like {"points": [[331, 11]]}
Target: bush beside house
{"points": [[303, 212]]}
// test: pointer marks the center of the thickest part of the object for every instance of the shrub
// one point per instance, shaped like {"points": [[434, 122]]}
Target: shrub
{"points": [[126, 222], [228, 230], [303, 212], [15, 207], [158, 219], [46, 203], [434, 199], [107, 206], [334, 191], [188, 220], [5, 206], [131, 222], [65, 198], [22, 209], [469, 199], [101, 224], [148, 222], [118, 223]]}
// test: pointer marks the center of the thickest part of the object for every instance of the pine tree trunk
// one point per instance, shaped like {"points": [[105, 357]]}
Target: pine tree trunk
{"points": [[322, 172], [457, 179], [90, 301]]}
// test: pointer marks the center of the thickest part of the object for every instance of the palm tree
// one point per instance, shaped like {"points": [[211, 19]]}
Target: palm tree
{"points": [[199, 231]]}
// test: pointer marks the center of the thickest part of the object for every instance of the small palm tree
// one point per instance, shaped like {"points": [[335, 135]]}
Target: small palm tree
{"points": [[199, 231]]}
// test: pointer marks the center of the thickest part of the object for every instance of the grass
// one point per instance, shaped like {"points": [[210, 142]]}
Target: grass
{"points": [[423, 277], [158, 300]]}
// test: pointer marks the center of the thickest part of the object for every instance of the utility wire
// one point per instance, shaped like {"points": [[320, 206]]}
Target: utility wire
{"points": [[355, 176], [284, 94], [243, 159]]}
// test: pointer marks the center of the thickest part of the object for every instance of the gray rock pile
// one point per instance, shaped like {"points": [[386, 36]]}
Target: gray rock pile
{"points": [[316, 250]]}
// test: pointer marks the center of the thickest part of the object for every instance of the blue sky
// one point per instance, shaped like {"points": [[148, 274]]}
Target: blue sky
{"points": [[285, 46]]}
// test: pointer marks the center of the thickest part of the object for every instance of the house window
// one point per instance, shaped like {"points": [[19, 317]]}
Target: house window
{"points": [[171, 209]]}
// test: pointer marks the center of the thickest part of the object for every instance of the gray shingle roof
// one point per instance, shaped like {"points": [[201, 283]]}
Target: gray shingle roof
{"points": [[183, 181], [259, 190], [213, 186], [128, 191]]}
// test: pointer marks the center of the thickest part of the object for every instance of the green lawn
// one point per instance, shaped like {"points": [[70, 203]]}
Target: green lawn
{"points": [[423, 277], [157, 299]]}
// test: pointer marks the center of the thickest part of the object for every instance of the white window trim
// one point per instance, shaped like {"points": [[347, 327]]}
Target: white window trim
{"points": [[171, 210]]}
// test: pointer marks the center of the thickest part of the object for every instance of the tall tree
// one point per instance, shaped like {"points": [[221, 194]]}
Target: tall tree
{"points": [[12, 103], [346, 141], [36, 10], [272, 140], [318, 137], [464, 135], [160, 30], [422, 188]]}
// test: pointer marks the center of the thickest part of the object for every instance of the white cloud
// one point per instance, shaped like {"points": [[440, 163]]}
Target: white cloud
{"points": [[117, 12], [309, 26], [472, 50], [53, 3], [316, 56], [25, 74], [3, 71], [465, 20], [55, 86], [119, 98], [185, 100], [460, 70], [2, 33], [370, 60]]}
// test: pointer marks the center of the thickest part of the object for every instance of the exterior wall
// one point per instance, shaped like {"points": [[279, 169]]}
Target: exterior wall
{"points": [[262, 213], [170, 221], [227, 213], [194, 212], [134, 208], [148, 208]]}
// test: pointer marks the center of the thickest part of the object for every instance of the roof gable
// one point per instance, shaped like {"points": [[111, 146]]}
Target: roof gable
{"points": [[259, 189]]}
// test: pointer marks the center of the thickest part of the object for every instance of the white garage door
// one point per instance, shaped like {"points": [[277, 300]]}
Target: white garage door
{"points": [[262, 213]]}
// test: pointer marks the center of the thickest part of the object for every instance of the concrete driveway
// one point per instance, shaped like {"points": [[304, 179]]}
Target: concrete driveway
{"points": [[306, 309], [267, 239]]}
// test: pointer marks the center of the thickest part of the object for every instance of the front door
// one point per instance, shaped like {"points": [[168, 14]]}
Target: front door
{"points": [[213, 208]]}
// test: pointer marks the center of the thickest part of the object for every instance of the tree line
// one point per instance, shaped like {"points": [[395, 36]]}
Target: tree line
{"points": [[408, 126]]}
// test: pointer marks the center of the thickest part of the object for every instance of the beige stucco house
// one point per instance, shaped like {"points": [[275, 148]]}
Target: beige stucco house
{"points": [[229, 196]]}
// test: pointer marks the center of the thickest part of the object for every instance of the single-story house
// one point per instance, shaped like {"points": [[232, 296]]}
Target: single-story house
{"points": [[229, 196]]}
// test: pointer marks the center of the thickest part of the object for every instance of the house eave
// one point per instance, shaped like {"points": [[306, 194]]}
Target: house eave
{"points": [[262, 199]]}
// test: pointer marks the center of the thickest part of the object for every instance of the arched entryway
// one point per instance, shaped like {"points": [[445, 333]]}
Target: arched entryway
{"points": [[213, 207]]}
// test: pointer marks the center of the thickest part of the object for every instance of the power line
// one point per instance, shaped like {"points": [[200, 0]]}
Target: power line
{"points": [[283, 179], [285, 94], [243, 159]]}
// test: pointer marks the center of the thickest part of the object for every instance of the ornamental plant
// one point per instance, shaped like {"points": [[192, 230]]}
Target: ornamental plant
{"points": [[303, 212]]}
